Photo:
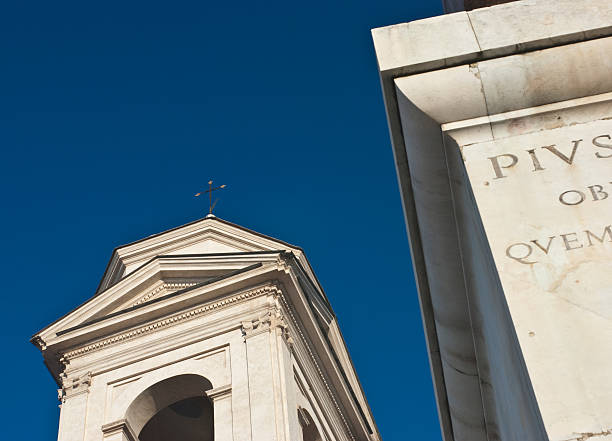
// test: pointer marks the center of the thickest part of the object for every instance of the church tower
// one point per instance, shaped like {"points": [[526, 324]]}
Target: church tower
{"points": [[208, 331]]}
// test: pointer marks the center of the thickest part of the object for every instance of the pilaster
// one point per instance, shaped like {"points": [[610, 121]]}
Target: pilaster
{"points": [[73, 397], [268, 344]]}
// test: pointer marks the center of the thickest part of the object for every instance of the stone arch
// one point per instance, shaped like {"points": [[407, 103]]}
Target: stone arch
{"points": [[124, 397], [310, 431], [163, 394]]}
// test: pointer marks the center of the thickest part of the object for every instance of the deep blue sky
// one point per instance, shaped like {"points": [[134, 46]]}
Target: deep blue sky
{"points": [[112, 115]]}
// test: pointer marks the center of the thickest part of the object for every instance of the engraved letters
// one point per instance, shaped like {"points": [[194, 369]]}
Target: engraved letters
{"points": [[530, 252], [598, 142], [539, 159], [575, 197], [546, 163]]}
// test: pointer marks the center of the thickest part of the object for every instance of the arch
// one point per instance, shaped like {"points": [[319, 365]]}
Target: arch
{"points": [[128, 393], [310, 432], [177, 390]]}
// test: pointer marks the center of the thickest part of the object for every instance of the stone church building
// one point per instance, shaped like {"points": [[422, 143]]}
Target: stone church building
{"points": [[206, 331]]}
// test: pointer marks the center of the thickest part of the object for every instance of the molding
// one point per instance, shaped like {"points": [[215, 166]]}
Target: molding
{"points": [[165, 287], [314, 407], [302, 337], [119, 426], [169, 321], [220, 392], [39, 342], [466, 37], [186, 235], [74, 386], [529, 120], [269, 321], [303, 417], [497, 86], [105, 302]]}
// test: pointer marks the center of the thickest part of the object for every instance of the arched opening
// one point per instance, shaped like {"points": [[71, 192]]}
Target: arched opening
{"points": [[176, 408], [309, 428]]}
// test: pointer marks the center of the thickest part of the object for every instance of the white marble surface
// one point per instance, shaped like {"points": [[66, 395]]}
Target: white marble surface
{"points": [[483, 133], [555, 262]]}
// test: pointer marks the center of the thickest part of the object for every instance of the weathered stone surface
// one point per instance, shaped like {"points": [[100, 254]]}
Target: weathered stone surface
{"points": [[504, 157], [548, 221]]}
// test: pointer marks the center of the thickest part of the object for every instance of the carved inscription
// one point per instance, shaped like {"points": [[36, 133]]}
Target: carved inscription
{"points": [[529, 252], [592, 193], [557, 159], [539, 159]]}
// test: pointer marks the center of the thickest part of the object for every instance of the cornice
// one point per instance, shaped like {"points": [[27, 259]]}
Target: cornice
{"points": [[468, 37], [165, 287], [150, 271], [311, 355], [474, 89], [186, 235], [166, 322], [183, 241]]}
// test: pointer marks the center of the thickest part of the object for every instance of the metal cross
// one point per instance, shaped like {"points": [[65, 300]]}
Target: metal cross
{"points": [[210, 191]]}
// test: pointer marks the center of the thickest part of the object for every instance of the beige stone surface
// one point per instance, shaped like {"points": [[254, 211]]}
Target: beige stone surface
{"points": [[533, 24], [485, 146], [486, 33], [517, 82], [554, 260], [426, 43]]}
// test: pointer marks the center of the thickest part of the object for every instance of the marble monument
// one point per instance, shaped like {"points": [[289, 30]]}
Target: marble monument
{"points": [[501, 126]]}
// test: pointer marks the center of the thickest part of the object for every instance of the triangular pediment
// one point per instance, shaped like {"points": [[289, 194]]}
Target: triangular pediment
{"points": [[210, 235], [167, 278], [174, 261], [158, 285]]}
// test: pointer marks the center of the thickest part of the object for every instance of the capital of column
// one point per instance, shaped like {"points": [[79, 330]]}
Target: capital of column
{"points": [[268, 322], [74, 386]]}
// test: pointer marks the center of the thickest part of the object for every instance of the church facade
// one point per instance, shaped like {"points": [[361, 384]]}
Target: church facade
{"points": [[206, 331]]}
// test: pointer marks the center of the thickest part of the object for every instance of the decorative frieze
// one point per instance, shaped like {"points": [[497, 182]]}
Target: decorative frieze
{"points": [[164, 288], [170, 321]]}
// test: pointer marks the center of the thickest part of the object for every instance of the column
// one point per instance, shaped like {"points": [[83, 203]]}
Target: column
{"points": [[73, 397], [270, 378]]}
